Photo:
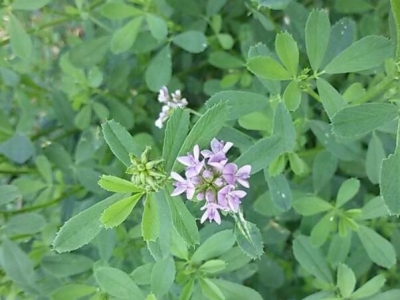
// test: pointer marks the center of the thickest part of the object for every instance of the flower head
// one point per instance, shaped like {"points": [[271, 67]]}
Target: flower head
{"points": [[213, 180], [170, 103]]}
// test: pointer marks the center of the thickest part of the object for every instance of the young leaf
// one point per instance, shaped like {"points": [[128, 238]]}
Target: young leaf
{"points": [[210, 290], [355, 121], [283, 127], [267, 68], [162, 276], [389, 182], [224, 60], [119, 11], [90, 52], [347, 190], [311, 259], [375, 155], [321, 231], [118, 185], [311, 205], [330, 98], [120, 141], [116, 213], [21, 43], [367, 53], [117, 283], [175, 134], [346, 280], [191, 41], [339, 249], [124, 37], [159, 70], [248, 238], [157, 26], [8, 193], [318, 29], [214, 246], [262, 153], [72, 291], [374, 208], [288, 52], [297, 164], [213, 266], [150, 219], [379, 250], [292, 96], [324, 168], [183, 221], [370, 288], [204, 130], [236, 291], [84, 227]]}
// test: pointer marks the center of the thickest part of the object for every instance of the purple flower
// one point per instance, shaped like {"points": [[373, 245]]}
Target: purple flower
{"points": [[229, 198], [182, 185], [163, 96], [217, 155], [231, 174], [211, 212], [169, 104], [192, 162]]}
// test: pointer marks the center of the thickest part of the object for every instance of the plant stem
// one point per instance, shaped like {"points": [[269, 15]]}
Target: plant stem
{"points": [[395, 5], [195, 112], [376, 90], [313, 94]]}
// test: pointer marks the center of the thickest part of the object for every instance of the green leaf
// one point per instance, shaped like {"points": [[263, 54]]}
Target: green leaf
{"points": [[82, 228], [29, 4], [373, 209], [162, 276], [370, 288], [347, 191], [89, 53], [224, 60], [239, 103], [267, 68], [330, 98], [355, 121], [389, 182], [236, 291], [214, 246], [324, 167], [375, 155], [379, 250], [26, 223], [311, 205], [213, 266], [118, 185], [159, 70], [157, 26], [72, 291], [210, 289], [339, 249], [8, 193], [274, 4], [297, 164], [191, 41], [124, 37], [322, 230], [279, 190], [205, 129], [175, 134], [18, 148], [214, 6], [83, 117], [288, 52], [311, 259], [116, 213], [117, 283], [120, 141], [346, 280], [17, 265], [292, 96], [283, 127], [119, 11], [183, 221], [66, 264], [248, 238], [150, 219], [21, 43], [262, 153], [367, 53], [318, 29]]}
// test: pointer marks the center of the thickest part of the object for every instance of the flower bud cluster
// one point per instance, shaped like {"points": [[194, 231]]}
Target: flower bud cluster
{"points": [[170, 103], [211, 178], [147, 174]]}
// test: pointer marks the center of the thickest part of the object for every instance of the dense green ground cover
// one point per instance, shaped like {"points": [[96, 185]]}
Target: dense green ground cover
{"points": [[305, 96]]}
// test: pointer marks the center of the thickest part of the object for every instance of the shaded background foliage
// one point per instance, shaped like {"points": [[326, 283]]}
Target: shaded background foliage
{"points": [[68, 66]]}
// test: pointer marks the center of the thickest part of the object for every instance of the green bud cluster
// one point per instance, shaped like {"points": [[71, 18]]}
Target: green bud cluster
{"points": [[148, 174]]}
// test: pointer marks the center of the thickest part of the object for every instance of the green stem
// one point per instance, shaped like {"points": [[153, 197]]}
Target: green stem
{"points": [[376, 90], [195, 112], [395, 5], [313, 94]]}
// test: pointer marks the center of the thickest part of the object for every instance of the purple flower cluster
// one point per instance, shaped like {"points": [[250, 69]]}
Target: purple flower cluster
{"points": [[210, 177], [169, 104]]}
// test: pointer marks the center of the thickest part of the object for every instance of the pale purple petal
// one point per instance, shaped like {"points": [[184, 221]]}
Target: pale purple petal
{"points": [[206, 153], [178, 190], [186, 160], [239, 194], [227, 146], [204, 217], [216, 146], [210, 195], [190, 192], [196, 152], [177, 177]]}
